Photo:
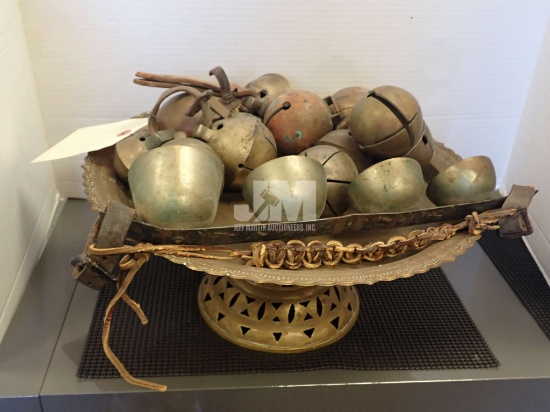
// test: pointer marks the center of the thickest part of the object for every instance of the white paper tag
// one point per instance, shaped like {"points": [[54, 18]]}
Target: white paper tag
{"points": [[92, 138]]}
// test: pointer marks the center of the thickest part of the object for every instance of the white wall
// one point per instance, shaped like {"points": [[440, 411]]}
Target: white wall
{"points": [[469, 62], [529, 162], [27, 192]]}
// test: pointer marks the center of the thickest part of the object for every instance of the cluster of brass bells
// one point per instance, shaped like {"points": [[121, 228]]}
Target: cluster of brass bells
{"points": [[292, 154]]}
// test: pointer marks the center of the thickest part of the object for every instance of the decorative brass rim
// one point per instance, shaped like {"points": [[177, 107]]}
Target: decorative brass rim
{"points": [[278, 319]]}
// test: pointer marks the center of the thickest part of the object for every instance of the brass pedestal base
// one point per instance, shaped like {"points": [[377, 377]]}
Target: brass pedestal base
{"points": [[275, 318]]}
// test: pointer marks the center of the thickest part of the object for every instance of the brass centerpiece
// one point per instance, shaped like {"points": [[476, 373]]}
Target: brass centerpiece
{"points": [[286, 285]]}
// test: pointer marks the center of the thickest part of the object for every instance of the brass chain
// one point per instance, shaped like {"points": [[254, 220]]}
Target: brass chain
{"points": [[296, 254]]}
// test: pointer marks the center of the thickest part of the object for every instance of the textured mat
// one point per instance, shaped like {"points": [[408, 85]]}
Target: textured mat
{"points": [[516, 265], [415, 323]]}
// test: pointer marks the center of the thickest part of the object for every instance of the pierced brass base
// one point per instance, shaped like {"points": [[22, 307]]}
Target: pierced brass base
{"points": [[275, 318]]}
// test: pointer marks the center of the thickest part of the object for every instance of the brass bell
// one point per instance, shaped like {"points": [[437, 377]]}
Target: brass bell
{"points": [[267, 88], [176, 187], [242, 141], [128, 150], [297, 120], [340, 171], [341, 103], [387, 122], [149, 137], [173, 114], [470, 180], [341, 139], [423, 150], [290, 188], [393, 185]]}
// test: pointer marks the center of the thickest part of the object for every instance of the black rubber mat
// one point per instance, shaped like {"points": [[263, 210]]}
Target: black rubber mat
{"points": [[414, 323], [516, 265]]}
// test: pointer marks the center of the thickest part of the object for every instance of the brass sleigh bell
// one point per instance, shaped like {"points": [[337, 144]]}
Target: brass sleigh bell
{"points": [[341, 104], [297, 120], [243, 143], [342, 140], [149, 137], [393, 185], [267, 88], [290, 188], [340, 171], [387, 122], [470, 180]]}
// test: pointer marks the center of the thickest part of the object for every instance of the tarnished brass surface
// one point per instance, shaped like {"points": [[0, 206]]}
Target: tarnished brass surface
{"points": [[243, 143], [341, 104], [173, 114], [297, 120], [423, 150], [176, 186], [342, 140], [128, 150], [273, 318], [299, 178], [393, 185], [470, 180], [267, 88], [340, 171], [386, 122]]}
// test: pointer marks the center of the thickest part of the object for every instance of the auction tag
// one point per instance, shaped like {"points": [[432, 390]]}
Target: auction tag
{"points": [[92, 138]]}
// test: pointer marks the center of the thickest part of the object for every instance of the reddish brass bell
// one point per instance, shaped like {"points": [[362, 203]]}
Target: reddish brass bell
{"points": [[297, 120]]}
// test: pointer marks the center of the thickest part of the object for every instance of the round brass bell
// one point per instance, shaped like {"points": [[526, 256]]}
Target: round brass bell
{"points": [[176, 187], [386, 122], [291, 188], [470, 180], [173, 114], [297, 120], [341, 139], [393, 185], [267, 87], [127, 150], [341, 104], [340, 171], [275, 318], [243, 143], [423, 150]]}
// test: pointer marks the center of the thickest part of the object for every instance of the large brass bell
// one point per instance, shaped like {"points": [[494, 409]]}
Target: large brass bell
{"points": [[290, 188], [176, 186], [242, 141], [393, 185], [341, 104], [342, 140], [297, 120], [470, 180], [387, 122], [267, 88], [340, 171]]}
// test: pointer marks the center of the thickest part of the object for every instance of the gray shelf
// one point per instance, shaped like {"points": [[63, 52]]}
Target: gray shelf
{"points": [[41, 352]]}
